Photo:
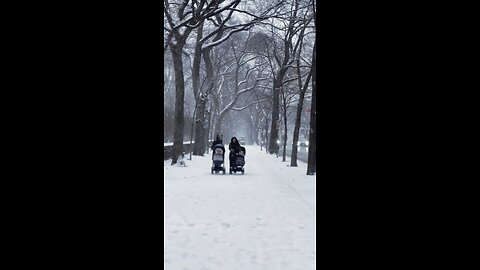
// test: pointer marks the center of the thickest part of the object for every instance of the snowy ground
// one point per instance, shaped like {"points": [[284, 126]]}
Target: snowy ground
{"points": [[264, 219]]}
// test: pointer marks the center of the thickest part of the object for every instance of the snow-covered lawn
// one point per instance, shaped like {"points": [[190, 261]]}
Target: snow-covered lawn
{"points": [[264, 219]]}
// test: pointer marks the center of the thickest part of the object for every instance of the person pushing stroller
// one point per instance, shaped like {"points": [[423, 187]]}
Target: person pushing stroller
{"points": [[218, 140], [218, 155], [236, 156]]}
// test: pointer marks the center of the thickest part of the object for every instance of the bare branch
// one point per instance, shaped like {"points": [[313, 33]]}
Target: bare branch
{"points": [[246, 106], [289, 80]]}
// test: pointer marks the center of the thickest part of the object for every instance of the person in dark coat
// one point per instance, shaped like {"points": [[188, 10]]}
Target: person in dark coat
{"points": [[233, 147], [234, 144], [218, 140]]}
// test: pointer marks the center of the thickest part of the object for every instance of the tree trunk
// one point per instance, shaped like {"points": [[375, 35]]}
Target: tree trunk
{"points": [[210, 83], [207, 132], [255, 130], [298, 121], [190, 150], [266, 134], [200, 98], [252, 131], [285, 136], [312, 139], [218, 123], [272, 148], [179, 102], [212, 130], [199, 147]]}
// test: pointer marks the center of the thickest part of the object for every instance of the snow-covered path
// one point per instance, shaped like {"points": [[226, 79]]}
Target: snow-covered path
{"points": [[264, 219]]}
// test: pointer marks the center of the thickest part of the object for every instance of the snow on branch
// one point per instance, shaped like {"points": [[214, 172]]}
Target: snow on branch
{"points": [[295, 78], [234, 100], [246, 106], [214, 12], [248, 13], [215, 43], [183, 22], [248, 60], [246, 89], [169, 17], [235, 28], [248, 75]]}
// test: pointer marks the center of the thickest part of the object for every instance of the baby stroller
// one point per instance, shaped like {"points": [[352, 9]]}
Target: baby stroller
{"points": [[218, 158], [238, 158]]}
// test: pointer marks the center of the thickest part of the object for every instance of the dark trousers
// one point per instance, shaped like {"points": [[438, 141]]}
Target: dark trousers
{"points": [[232, 158]]}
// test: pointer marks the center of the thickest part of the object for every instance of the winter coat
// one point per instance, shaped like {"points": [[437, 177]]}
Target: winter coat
{"points": [[217, 142], [233, 145]]}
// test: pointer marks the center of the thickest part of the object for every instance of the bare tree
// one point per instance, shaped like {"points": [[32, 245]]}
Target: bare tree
{"points": [[240, 69], [303, 89], [288, 96], [312, 149], [218, 26], [289, 47], [182, 17], [243, 73], [217, 33], [298, 117], [176, 42]]}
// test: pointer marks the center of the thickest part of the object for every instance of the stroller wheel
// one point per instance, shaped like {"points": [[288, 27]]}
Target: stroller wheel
{"points": [[212, 170], [223, 171], [243, 171]]}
